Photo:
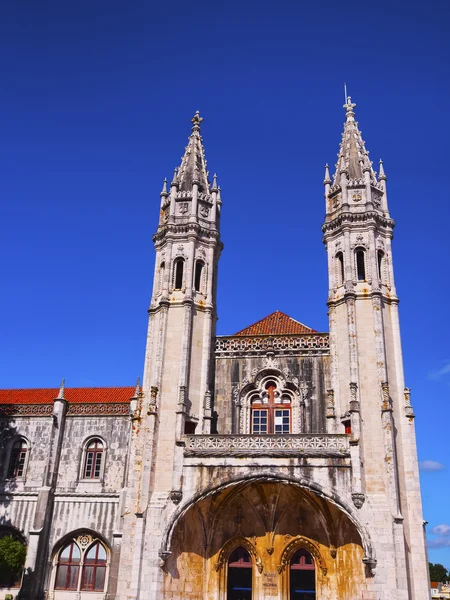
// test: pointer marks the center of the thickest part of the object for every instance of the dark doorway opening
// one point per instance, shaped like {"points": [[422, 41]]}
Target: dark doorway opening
{"points": [[302, 576], [239, 575]]}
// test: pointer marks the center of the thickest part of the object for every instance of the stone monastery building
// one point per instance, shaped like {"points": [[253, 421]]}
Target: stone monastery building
{"points": [[277, 462]]}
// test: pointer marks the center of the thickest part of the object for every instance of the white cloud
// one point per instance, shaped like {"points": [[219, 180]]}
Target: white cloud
{"points": [[441, 373], [430, 466], [443, 530]]}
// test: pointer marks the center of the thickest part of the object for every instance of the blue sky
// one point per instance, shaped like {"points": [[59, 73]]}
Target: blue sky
{"points": [[96, 100]]}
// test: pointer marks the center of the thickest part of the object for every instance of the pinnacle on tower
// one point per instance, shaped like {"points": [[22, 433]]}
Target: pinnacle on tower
{"points": [[61, 390], [327, 178], [164, 191], [193, 163], [382, 174], [353, 158]]}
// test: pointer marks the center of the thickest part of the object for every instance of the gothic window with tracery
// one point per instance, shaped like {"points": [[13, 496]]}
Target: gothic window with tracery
{"points": [[271, 413], [81, 566], [239, 580], [18, 459]]}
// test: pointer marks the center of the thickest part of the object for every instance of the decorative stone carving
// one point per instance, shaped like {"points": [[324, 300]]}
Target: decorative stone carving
{"points": [[204, 210], [163, 556], [358, 499], [269, 362], [84, 540], [296, 344], [408, 407], [385, 398], [357, 197], [371, 565], [330, 404], [304, 444], [295, 544], [183, 208], [176, 496]]}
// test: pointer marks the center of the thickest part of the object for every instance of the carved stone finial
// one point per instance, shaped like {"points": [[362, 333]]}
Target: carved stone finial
{"points": [[164, 188], [61, 390], [137, 388], [382, 174], [327, 178], [214, 183], [349, 106], [175, 177], [196, 120]]}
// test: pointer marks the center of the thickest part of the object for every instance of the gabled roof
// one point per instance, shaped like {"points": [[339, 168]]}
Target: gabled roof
{"points": [[72, 395], [276, 324]]}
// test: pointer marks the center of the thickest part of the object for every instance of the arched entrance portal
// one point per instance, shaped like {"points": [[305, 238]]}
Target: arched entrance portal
{"points": [[264, 538], [302, 576], [239, 585]]}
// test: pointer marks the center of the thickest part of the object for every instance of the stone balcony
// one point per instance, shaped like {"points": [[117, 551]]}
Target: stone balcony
{"points": [[302, 445]]}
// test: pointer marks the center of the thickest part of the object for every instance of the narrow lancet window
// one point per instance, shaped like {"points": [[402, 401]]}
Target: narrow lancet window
{"points": [[162, 270], [239, 575], [340, 267], [199, 266], [380, 257], [179, 267], [302, 576], [360, 265]]}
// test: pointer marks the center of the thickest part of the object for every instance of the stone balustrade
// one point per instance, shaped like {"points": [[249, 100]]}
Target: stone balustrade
{"points": [[300, 445]]}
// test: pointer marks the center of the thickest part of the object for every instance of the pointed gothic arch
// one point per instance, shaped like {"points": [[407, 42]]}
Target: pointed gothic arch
{"points": [[298, 543], [229, 548]]}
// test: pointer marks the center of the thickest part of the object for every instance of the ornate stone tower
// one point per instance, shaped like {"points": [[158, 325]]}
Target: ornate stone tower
{"points": [[178, 376], [367, 380]]}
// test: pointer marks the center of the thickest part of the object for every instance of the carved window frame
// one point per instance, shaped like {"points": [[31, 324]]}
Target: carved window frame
{"points": [[84, 455], [284, 568], [245, 404], [176, 262], [221, 566], [84, 541], [25, 443], [202, 283]]}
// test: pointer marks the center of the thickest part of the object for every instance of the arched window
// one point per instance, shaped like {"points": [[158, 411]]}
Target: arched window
{"points": [[93, 459], [360, 264], [239, 580], [18, 459], [178, 273], [380, 257], [302, 576], [162, 270], [67, 575], [94, 568], [340, 268], [81, 566], [199, 266], [272, 412]]}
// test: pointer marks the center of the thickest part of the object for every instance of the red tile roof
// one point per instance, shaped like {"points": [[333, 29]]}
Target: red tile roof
{"points": [[276, 324], [72, 395]]}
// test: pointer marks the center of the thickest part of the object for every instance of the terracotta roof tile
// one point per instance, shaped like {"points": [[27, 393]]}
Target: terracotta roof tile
{"points": [[276, 324], [72, 395]]}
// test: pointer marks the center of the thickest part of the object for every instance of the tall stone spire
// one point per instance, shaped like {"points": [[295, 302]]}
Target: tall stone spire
{"points": [[193, 163], [353, 156]]}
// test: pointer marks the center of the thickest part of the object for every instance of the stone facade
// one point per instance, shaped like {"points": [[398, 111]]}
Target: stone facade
{"points": [[289, 448]]}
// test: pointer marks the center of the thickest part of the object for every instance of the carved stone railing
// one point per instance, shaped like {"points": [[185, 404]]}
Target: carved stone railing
{"points": [[310, 343], [303, 444]]}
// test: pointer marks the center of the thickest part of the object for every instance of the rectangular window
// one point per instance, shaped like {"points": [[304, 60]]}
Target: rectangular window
{"points": [[259, 421], [282, 421]]}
